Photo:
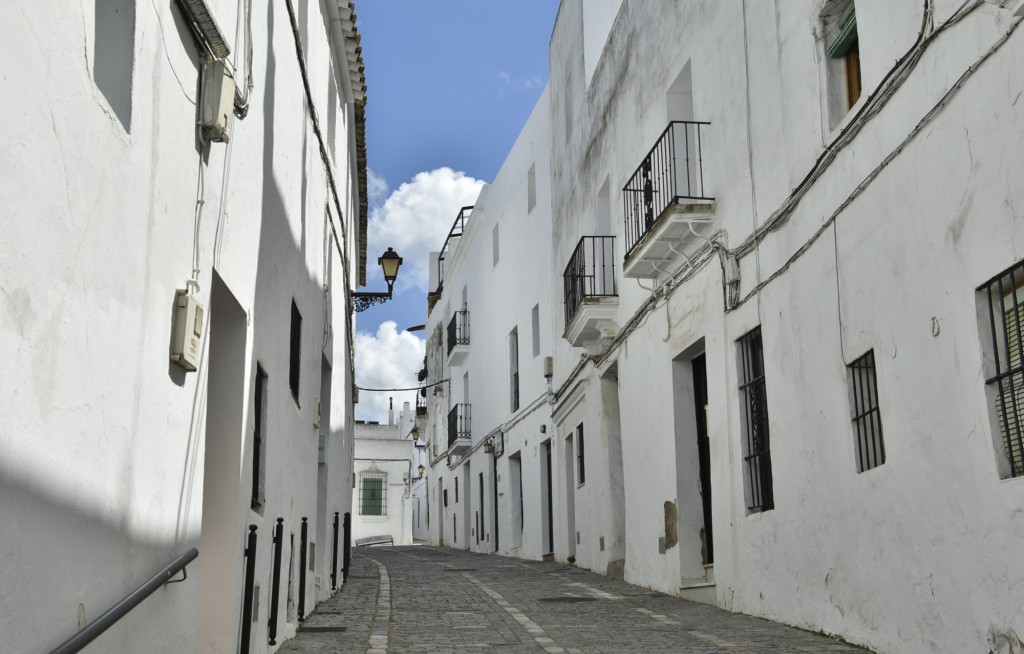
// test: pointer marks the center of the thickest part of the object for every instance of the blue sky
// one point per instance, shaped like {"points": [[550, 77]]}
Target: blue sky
{"points": [[449, 85]]}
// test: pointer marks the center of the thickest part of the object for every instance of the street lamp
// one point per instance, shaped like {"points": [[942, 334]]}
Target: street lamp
{"points": [[390, 262], [415, 434], [420, 469]]}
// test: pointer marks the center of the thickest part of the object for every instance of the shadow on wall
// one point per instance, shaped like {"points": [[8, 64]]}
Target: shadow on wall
{"points": [[56, 551]]}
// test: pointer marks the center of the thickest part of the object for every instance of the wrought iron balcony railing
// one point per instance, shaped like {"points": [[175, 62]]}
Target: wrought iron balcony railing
{"points": [[672, 171], [458, 330], [590, 273], [458, 227], [421, 404], [459, 424]]}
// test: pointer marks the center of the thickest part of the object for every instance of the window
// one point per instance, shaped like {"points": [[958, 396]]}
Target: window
{"points": [[754, 401], [456, 489], [444, 496], [494, 244], [296, 352], [580, 467], [531, 188], [372, 494], [535, 320], [867, 420], [844, 53], [513, 366], [259, 451], [1002, 307]]}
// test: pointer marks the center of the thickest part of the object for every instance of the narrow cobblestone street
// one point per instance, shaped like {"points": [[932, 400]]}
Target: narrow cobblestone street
{"points": [[425, 599]]}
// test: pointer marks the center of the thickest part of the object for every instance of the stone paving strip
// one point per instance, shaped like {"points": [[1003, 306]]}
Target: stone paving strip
{"points": [[433, 600]]}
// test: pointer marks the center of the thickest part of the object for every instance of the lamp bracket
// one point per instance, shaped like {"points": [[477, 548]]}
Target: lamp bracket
{"points": [[363, 301]]}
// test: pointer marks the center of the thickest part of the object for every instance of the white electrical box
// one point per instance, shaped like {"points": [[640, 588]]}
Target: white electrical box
{"points": [[186, 334], [218, 103]]}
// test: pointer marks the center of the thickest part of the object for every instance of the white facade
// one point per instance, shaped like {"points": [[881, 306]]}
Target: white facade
{"points": [[816, 232], [509, 314], [383, 466], [113, 459]]}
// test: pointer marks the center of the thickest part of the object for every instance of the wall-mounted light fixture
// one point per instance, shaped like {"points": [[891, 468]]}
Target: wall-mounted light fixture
{"points": [[420, 469], [390, 262]]}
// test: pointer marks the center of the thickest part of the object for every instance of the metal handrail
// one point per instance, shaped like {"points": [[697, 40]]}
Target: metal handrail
{"points": [[93, 630]]}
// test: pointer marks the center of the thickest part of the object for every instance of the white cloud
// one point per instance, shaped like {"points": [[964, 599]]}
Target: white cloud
{"points": [[415, 220], [387, 359], [518, 83], [376, 188]]}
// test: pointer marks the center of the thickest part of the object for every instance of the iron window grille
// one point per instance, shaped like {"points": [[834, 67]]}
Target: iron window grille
{"points": [[296, 352], [458, 330], [590, 272], [513, 356], [581, 468], [673, 170], [1004, 303], [867, 420], [755, 408], [459, 423], [258, 437], [373, 497]]}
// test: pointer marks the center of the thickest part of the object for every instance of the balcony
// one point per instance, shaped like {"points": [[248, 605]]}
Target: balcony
{"points": [[458, 338], [591, 298], [459, 434], [421, 403], [668, 212]]}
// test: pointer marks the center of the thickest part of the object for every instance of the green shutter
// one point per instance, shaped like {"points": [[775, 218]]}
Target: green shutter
{"points": [[373, 495], [847, 33]]}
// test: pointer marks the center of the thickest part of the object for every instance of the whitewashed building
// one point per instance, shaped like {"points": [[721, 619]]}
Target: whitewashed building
{"points": [[382, 504], [183, 219], [785, 278], [488, 332]]}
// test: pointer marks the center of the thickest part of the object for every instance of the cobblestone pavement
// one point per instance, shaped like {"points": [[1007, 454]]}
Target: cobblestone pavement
{"points": [[429, 600]]}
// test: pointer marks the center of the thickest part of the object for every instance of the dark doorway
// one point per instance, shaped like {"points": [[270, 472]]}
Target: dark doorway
{"points": [[549, 492], [700, 401]]}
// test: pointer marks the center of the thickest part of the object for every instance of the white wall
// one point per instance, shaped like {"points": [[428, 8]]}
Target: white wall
{"points": [[878, 557], [505, 203], [874, 556], [110, 455], [388, 450]]}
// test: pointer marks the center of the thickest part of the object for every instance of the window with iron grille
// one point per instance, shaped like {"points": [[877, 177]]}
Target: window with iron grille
{"points": [[581, 468], [1002, 306], [259, 448], [373, 497], [757, 456], [513, 364], [867, 420], [296, 352]]}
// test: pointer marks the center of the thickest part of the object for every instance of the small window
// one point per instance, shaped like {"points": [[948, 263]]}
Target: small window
{"points": [[444, 497], [372, 494], [754, 403], [456, 489], [581, 467], [296, 352], [867, 420], [259, 449], [531, 188], [844, 48], [494, 244], [1002, 308], [513, 365], [535, 321]]}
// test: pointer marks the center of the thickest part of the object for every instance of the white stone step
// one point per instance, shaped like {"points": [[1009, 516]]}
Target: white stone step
{"points": [[704, 593]]}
